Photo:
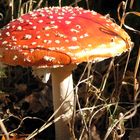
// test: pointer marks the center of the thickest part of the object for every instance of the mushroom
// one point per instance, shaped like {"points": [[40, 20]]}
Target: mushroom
{"points": [[54, 40]]}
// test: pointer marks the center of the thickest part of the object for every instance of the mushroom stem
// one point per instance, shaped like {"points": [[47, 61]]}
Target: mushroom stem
{"points": [[63, 95]]}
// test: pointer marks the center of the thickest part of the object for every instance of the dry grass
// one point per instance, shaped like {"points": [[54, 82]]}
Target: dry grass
{"points": [[107, 93]]}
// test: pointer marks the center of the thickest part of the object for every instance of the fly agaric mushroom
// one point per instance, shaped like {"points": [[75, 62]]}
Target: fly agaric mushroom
{"points": [[55, 39]]}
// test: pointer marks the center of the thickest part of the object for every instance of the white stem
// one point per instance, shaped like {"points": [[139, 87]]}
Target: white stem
{"points": [[63, 95]]}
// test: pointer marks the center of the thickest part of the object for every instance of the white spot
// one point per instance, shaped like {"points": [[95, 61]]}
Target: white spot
{"points": [[67, 22], [102, 17], [58, 48], [49, 42], [93, 13], [61, 48], [74, 14], [57, 41], [25, 53], [20, 50], [57, 66], [40, 21], [74, 30], [47, 34], [71, 17], [8, 27], [28, 20], [40, 46], [7, 33], [27, 59], [6, 48], [60, 35], [4, 42], [74, 38], [52, 22], [73, 47], [86, 35], [42, 14], [15, 57], [107, 24], [19, 28], [25, 47], [54, 26], [34, 17], [47, 28], [34, 27], [117, 29], [14, 43], [67, 40], [49, 58], [33, 43], [20, 20], [14, 48], [32, 50], [30, 23], [38, 36], [13, 38], [13, 26], [60, 17], [86, 11], [27, 36], [52, 48], [89, 45], [51, 17], [45, 41]]}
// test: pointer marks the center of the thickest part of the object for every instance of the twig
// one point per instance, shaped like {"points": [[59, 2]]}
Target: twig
{"points": [[39, 4], [135, 75], [129, 114], [21, 122], [19, 8], [12, 8], [45, 126], [1, 16], [30, 5], [60, 1], [4, 130]]}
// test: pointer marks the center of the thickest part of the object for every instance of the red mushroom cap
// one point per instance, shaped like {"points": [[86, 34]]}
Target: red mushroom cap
{"points": [[59, 36]]}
